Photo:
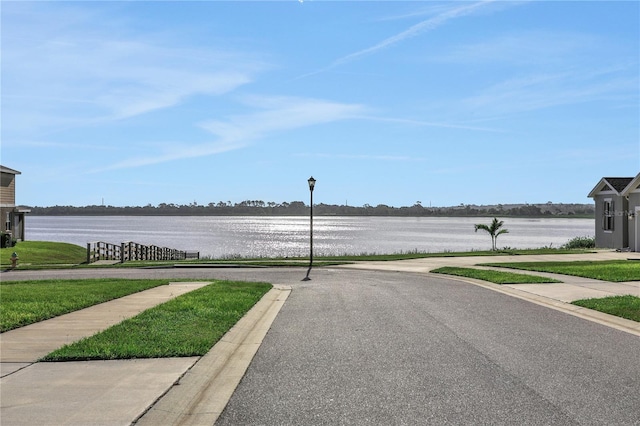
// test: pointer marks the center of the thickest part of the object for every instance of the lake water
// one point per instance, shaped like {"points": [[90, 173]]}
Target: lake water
{"points": [[252, 236]]}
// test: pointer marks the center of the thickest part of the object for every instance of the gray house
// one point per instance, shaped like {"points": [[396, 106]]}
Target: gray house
{"points": [[617, 212]]}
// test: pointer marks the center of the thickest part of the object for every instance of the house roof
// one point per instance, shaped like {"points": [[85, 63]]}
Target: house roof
{"points": [[4, 169], [633, 185], [617, 184]]}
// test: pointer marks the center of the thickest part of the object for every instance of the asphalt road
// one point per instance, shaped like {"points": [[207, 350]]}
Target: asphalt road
{"points": [[390, 348], [363, 347]]}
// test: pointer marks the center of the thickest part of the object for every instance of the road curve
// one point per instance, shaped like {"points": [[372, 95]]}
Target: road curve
{"points": [[396, 348], [371, 347]]}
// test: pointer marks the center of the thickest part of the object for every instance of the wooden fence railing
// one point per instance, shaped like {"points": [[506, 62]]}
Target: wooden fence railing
{"points": [[100, 250], [129, 250]]}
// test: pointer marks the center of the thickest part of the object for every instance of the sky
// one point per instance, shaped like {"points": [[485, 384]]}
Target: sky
{"points": [[382, 102]]}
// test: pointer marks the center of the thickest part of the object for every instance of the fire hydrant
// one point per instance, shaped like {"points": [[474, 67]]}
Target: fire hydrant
{"points": [[14, 260]]}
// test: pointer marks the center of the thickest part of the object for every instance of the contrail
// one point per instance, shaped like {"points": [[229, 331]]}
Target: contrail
{"points": [[413, 31]]}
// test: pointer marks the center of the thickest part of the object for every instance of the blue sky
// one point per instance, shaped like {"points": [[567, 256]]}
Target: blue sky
{"points": [[141, 102]]}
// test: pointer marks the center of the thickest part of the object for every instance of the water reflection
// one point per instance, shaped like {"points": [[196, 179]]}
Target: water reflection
{"points": [[289, 236]]}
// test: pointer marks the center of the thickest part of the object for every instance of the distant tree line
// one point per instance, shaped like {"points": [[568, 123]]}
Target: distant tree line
{"points": [[298, 208]]}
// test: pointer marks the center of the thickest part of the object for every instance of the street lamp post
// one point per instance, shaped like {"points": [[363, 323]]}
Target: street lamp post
{"points": [[312, 184]]}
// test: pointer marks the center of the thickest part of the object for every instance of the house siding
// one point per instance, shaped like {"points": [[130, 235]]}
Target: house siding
{"points": [[618, 237], [7, 200], [7, 190], [634, 237]]}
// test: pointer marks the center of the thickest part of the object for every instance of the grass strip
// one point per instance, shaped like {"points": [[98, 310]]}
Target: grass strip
{"points": [[606, 270], [264, 262], [497, 277], [34, 255], [188, 325], [27, 302], [44, 252], [405, 255], [421, 255], [621, 306], [331, 260]]}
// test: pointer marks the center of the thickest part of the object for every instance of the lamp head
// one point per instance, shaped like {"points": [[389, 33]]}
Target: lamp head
{"points": [[312, 183]]}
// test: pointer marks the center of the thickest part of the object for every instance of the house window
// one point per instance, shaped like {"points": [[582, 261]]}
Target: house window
{"points": [[607, 223]]}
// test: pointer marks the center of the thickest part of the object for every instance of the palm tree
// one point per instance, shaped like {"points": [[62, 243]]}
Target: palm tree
{"points": [[493, 230]]}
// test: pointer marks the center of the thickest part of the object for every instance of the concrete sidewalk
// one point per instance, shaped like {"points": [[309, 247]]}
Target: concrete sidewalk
{"points": [[119, 392], [427, 264], [40, 393], [32, 342]]}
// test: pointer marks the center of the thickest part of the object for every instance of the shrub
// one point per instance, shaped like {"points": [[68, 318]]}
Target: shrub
{"points": [[580, 243], [6, 240]]}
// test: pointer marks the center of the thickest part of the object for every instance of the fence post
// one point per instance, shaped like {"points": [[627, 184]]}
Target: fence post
{"points": [[129, 250]]}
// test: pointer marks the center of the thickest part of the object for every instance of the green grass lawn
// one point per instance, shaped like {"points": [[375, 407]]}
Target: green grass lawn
{"points": [[320, 260], [27, 302], [420, 255], [497, 277], [267, 263], [606, 270], [622, 306], [188, 325], [43, 252]]}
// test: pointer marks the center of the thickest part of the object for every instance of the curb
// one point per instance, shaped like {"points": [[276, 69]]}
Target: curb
{"points": [[612, 321], [201, 394]]}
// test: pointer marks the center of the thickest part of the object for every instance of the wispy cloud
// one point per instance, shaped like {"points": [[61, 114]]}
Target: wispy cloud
{"points": [[544, 90], [416, 30], [279, 114], [52, 68], [430, 9], [177, 151], [274, 115], [528, 70], [271, 115], [530, 48], [422, 123], [117, 83], [443, 16]]}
